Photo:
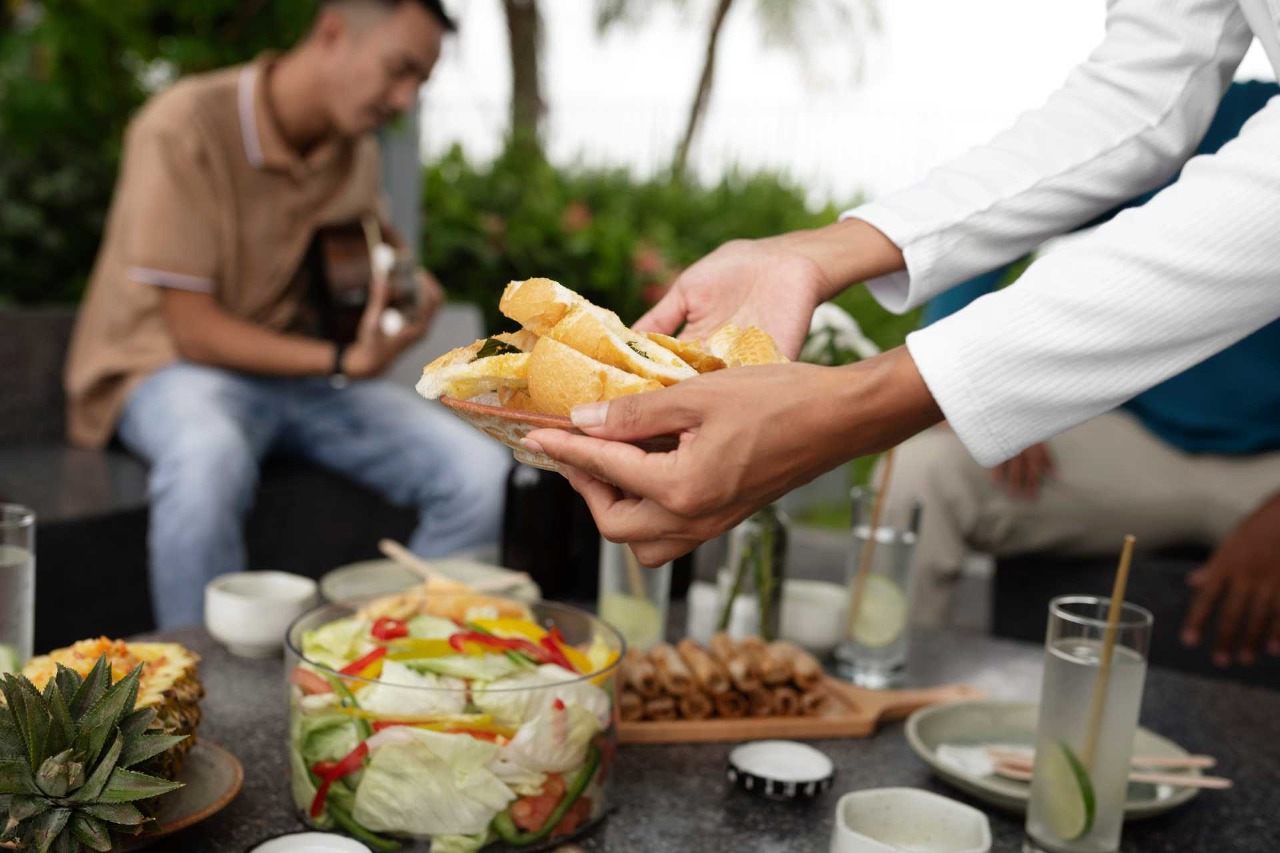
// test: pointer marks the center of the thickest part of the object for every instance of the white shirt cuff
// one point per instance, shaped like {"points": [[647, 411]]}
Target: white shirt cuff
{"points": [[899, 292]]}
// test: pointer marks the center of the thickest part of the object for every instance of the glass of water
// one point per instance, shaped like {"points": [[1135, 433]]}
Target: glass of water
{"points": [[633, 599], [17, 585], [1084, 740], [873, 652]]}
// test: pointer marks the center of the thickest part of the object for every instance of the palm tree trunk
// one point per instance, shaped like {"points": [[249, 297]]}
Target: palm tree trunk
{"points": [[524, 34], [703, 95]]}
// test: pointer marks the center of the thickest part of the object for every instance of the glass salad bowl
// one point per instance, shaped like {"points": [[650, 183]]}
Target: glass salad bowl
{"points": [[463, 722]]}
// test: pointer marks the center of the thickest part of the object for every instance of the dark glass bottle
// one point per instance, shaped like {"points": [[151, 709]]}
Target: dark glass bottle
{"points": [[548, 532]]}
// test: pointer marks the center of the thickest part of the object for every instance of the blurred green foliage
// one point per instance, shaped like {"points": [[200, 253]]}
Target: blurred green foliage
{"points": [[615, 238], [72, 72]]}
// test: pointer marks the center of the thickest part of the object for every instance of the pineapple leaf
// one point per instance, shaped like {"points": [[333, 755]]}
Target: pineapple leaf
{"points": [[122, 814], [62, 731], [91, 689], [11, 743], [141, 748], [99, 722], [48, 827], [66, 843], [97, 781], [68, 681], [91, 832], [16, 778], [137, 722], [60, 773], [31, 719], [24, 808], [126, 786]]}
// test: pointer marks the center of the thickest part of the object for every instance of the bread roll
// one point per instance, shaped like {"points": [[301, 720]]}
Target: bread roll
{"points": [[691, 353], [463, 373], [560, 377], [744, 347], [538, 303]]}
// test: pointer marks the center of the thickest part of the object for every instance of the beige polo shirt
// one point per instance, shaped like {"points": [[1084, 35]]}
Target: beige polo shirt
{"points": [[210, 198]]}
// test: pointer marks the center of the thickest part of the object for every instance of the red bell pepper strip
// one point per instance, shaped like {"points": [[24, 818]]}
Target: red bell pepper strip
{"points": [[387, 628], [359, 665], [513, 644], [330, 772], [551, 645]]}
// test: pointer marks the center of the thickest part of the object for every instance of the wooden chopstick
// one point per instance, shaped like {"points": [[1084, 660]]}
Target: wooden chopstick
{"points": [[1218, 783], [1169, 762], [411, 561]]}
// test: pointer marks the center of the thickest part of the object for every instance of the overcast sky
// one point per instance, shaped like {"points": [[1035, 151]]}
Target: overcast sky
{"points": [[939, 77]]}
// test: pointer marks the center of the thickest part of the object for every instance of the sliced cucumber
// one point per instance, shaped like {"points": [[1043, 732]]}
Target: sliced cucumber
{"points": [[1069, 808], [882, 614]]}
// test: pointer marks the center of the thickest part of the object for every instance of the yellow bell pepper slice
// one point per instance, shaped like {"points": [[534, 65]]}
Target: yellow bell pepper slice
{"points": [[414, 648], [510, 627]]}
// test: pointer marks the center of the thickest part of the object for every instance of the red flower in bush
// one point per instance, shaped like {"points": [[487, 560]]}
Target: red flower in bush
{"points": [[576, 217]]}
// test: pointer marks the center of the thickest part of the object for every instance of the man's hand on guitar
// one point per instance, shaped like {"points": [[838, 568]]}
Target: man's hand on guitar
{"points": [[374, 350]]}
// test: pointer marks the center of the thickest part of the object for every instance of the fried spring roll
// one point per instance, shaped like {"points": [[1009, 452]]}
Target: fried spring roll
{"points": [[662, 708], [630, 706], [812, 702], [731, 705], [673, 675], [738, 664], [786, 702], [806, 672], [760, 701], [639, 674], [695, 706], [707, 671]]}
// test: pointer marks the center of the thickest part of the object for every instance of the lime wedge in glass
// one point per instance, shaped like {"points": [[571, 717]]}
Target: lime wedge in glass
{"points": [[1069, 807], [882, 614], [637, 619], [9, 659]]}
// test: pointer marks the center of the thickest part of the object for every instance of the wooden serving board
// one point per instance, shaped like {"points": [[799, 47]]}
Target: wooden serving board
{"points": [[851, 712]]}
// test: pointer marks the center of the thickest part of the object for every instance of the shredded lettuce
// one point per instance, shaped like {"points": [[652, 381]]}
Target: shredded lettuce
{"points": [[429, 783], [401, 690], [512, 707], [336, 643], [427, 627], [487, 667], [325, 737], [553, 742]]}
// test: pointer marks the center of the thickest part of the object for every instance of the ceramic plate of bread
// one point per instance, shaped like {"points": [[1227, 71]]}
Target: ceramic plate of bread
{"points": [[569, 352]]}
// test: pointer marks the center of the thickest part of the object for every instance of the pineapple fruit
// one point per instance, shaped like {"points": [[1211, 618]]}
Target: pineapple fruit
{"points": [[169, 683], [65, 758]]}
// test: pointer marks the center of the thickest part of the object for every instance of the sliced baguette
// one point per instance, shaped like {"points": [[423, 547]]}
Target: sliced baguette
{"points": [[601, 335], [537, 304], [744, 347], [560, 378], [461, 375], [691, 353]]}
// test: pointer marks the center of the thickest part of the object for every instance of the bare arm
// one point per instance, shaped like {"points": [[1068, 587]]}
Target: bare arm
{"points": [[205, 333]]}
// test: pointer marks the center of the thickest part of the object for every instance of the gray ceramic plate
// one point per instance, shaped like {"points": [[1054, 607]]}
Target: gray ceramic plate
{"points": [[990, 722], [212, 778], [387, 577]]}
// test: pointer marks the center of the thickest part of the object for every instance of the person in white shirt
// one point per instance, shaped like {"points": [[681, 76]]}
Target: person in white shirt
{"points": [[1150, 293]]}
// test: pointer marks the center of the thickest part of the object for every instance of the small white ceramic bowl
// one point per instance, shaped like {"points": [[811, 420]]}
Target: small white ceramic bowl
{"points": [[311, 842], [249, 612], [896, 820]]}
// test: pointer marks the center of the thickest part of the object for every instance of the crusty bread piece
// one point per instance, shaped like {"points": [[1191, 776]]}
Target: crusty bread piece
{"points": [[744, 347], [537, 304], [459, 374], [691, 353], [601, 335], [560, 378]]}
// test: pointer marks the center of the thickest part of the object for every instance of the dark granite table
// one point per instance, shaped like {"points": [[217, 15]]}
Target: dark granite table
{"points": [[674, 798]]}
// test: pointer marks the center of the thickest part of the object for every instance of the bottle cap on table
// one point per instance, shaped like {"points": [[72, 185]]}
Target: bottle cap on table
{"points": [[780, 769]]}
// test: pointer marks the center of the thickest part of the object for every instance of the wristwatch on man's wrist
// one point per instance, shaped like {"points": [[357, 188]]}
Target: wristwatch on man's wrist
{"points": [[337, 376]]}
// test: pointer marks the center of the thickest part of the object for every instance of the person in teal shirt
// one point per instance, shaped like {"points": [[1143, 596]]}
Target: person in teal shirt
{"points": [[1186, 462]]}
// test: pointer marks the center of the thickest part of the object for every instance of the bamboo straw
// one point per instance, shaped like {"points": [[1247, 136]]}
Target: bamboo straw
{"points": [[868, 547], [635, 580], [1099, 700]]}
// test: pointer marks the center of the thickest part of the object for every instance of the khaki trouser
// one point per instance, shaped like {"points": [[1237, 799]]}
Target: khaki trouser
{"points": [[1112, 477]]}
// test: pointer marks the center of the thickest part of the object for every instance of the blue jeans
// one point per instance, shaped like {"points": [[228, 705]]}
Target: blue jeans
{"points": [[205, 431]]}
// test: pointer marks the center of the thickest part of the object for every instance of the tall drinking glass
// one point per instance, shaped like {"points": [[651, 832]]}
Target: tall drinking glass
{"points": [[1084, 741], [17, 585], [873, 652], [632, 599]]}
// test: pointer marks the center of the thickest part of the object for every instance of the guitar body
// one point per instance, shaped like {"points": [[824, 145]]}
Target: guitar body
{"points": [[341, 265]]}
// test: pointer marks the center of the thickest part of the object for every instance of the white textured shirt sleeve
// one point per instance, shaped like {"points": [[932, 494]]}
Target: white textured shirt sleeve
{"points": [[1152, 292], [1125, 120]]}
